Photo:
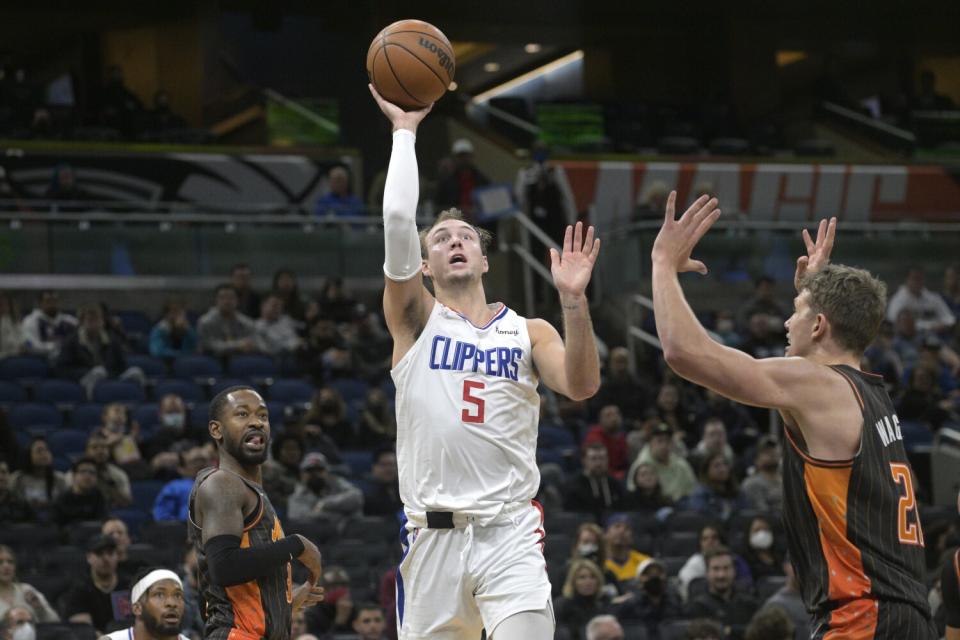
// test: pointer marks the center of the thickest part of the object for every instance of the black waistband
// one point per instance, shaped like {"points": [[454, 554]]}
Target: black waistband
{"points": [[439, 520]]}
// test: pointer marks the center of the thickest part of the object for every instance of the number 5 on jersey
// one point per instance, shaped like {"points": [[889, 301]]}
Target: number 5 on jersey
{"points": [[908, 532], [476, 416]]}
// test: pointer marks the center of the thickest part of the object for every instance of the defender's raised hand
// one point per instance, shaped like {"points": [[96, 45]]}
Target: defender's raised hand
{"points": [[677, 238], [818, 253], [400, 119], [572, 267]]}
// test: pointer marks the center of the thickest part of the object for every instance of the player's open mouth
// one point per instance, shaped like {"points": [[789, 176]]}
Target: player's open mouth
{"points": [[458, 258], [171, 618], [255, 441]]}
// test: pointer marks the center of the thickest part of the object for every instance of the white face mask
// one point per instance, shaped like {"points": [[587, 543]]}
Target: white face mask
{"points": [[172, 420], [25, 631], [762, 539], [587, 549]]}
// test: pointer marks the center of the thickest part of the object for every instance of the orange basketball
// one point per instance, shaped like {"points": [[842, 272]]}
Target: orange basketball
{"points": [[411, 63]]}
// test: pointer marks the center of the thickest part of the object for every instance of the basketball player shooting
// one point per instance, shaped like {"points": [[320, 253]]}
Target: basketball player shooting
{"points": [[851, 518], [467, 409]]}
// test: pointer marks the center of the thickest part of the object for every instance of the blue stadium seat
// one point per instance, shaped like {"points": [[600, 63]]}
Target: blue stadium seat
{"points": [[24, 368], [86, 417], [680, 543], [555, 438], [118, 391], [389, 388], [277, 412], [251, 366], [199, 416], [144, 493], [146, 415], [187, 390], [193, 367], [674, 629], [35, 414], [225, 383], [358, 461], [291, 390], [133, 518], [67, 442], [352, 389], [11, 392], [59, 392], [152, 367], [135, 323]]}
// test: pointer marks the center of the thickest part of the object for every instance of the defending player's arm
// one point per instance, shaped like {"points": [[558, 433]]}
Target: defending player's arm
{"points": [[406, 302], [220, 503], [950, 588], [570, 366]]}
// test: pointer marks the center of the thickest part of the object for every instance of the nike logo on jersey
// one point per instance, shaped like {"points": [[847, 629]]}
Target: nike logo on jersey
{"points": [[889, 431], [501, 362]]}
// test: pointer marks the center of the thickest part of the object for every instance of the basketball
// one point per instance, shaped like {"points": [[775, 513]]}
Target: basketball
{"points": [[411, 63]]}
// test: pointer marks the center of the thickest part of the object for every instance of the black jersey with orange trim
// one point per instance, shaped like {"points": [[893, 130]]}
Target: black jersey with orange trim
{"points": [[261, 608], [950, 588], [853, 528]]}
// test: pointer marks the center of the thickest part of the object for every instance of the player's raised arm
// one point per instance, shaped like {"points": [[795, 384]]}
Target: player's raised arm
{"points": [[406, 303], [570, 366]]}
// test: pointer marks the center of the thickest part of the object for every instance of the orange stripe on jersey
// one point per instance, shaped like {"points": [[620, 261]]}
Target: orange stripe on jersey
{"points": [[248, 615], [956, 564], [815, 461], [827, 490], [856, 391], [855, 620], [277, 534]]}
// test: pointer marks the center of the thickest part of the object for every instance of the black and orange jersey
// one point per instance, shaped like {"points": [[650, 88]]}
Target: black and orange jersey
{"points": [[261, 608], [853, 528], [950, 588]]}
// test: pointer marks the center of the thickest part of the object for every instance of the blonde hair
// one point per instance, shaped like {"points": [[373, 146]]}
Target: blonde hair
{"points": [[455, 214], [569, 591]]}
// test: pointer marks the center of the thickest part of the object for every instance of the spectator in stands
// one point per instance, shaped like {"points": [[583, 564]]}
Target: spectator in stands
{"points": [[381, 496], [112, 481], [651, 203], [277, 334], [46, 328], [927, 98], [725, 327], [764, 488], [711, 537], [285, 284], [622, 558], [173, 501], [282, 471], [713, 440], [37, 481], [884, 360], [335, 613], [931, 314], [582, 598], [11, 329], [13, 507], [377, 426], [368, 621], [66, 194], [456, 189], [121, 437], [120, 108], [248, 300], [91, 601], [371, 347], [740, 425], [609, 433], [761, 553], [92, 354], [322, 495], [594, 490], [339, 201], [762, 302], [161, 117], [190, 576], [335, 301], [790, 600], [83, 500], [644, 494], [771, 623], [923, 401], [589, 544], [674, 473], [705, 629], [173, 336], [718, 493], [327, 416], [604, 627], [298, 623], [722, 601], [224, 331], [651, 600], [673, 412], [18, 624], [20, 594], [323, 344], [387, 596], [951, 288], [117, 529], [764, 336], [907, 340], [171, 437], [543, 194], [621, 386]]}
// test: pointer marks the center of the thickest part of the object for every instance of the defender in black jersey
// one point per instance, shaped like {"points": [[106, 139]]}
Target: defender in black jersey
{"points": [[242, 554], [849, 508]]}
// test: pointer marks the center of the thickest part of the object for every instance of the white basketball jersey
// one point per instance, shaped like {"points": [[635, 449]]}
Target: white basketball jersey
{"points": [[467, 414]]}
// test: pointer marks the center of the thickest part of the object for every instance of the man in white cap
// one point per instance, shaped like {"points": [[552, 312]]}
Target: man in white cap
{"points": [[456, 189], [156, 598]]}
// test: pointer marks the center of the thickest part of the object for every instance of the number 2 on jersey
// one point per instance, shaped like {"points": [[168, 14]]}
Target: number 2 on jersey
{"points": [[909, 532], [468, 387]]}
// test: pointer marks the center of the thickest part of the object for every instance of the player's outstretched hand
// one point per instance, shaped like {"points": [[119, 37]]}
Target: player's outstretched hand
{"points": [[306, 595], [310, 557], [818, 253], [677, 238], [399, 118], [572, 267]]}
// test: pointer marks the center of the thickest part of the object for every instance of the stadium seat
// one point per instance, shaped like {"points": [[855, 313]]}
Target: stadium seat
{"points": [[59, 392], [198, 366], [291, 390], [277, 412], [351, 389], [135, 323], [635, 631], [769, 585], [199, 416], [319, 531], [680, 543], [80, 532], [371, 529], [67, 442], [673, 564], [86, 416], [563, 522], [170, 532], [32, 535], [251, 366], [153, 368], [188, 390], [557, 547], [674, 629], [359, 462], [11, 392], [156, 556], [24, 368], [144, 493], [63, 558], [555, 438], [729, 147], [134, 519], [35, 414], [226, 383], [146, 416], [678, 145], [118, 391], [688, 521]]}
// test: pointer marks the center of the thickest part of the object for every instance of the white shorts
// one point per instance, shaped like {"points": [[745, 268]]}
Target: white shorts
{"points": [[452, 583]]}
